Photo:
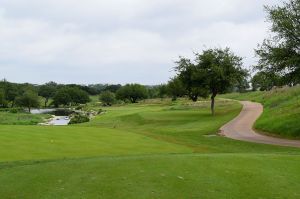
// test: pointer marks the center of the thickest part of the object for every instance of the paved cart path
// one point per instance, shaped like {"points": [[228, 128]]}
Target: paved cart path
{"points": [[240, 128]]}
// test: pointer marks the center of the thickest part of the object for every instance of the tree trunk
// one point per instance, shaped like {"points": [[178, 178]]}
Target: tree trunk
{"points": [[194, 98], [212, 105], [46, 101], [29, 109]]}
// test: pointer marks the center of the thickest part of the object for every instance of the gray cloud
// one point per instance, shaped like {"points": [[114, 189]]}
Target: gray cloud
{"points": [[120, 41]]}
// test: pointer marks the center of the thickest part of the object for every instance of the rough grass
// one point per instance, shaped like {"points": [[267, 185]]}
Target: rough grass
{"points": [[281, 114], [21, 118], [156, 149]]}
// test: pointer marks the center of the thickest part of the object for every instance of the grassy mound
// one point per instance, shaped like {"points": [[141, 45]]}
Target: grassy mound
{"points": [[281, 114]]}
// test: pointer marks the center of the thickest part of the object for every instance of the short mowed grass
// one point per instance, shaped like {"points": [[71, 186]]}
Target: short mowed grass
{"points": [[281, 114], [154, 149]]}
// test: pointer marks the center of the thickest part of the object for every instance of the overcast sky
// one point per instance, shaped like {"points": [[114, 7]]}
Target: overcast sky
{"points": [[120, 41]]}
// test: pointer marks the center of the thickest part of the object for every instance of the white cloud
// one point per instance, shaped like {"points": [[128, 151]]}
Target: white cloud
{"points": [[119, 41]]}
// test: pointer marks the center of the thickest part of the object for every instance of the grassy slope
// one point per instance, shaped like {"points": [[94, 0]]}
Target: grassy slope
{"points": [[281, 110], [141, 141]]}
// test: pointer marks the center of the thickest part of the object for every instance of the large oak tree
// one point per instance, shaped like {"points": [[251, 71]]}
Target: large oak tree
{"points": [[213, 71]]}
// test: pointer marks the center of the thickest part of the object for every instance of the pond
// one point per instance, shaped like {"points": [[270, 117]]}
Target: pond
{"points": [[42, 111], [60, 116], [59, 121]]}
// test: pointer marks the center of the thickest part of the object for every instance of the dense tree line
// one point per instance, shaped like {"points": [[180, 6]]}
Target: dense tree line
{"points": [[29, 95]]}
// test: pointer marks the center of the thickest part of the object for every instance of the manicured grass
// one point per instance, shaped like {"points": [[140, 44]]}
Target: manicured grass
{"points": [[155, 149], [163, 176], [281, 110], [21, 118], [185, 123], [49, 142]]}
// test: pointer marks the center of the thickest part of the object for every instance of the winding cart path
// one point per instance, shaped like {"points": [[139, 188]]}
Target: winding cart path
{"points": [[240, 128]]}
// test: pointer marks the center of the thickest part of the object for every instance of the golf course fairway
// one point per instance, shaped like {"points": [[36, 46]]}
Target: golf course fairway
{"points": [[157, 149]]}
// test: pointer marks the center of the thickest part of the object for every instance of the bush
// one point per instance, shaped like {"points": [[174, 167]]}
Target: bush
{"points": [[107, 98], [14, 110], [80, 107], [132, 93], [78, 118]]}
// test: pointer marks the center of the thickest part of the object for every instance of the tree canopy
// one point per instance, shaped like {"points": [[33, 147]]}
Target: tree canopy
{"points": [[47, 91], [264, 81], [70, 96], [175, 88], [29, 99], [280, 54], [213, 71], [107, 98], [132, 92]]}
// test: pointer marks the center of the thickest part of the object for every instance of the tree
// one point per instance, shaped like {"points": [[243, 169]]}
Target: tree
{"points": [[29, 99], [11, 91], [107, 98], [175, 88], [78, 96], [47, 91], [132, 92], [162, 90], [3, 102], [153, 92], [265, 81], [214, 71], [70, 96], [113, 88], [62, 97], [280, 54], [186, 71]]}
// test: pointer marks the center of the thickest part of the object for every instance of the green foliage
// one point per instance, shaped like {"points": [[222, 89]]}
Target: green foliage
{"points": [[153, 92], [79, 118], [3, 102], [62, 97], [48, 91], [265, 81], [242, 85], [281, 53], [78, 96], [29, 100], [162, 90], [10, 91], [113, 88], [214, 71], [107, 98], [175, 88], [132, 92], [70, 96]]}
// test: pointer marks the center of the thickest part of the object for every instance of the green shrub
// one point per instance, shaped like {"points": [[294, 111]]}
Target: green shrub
{"points": [[78, 118], [14, 110]]}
